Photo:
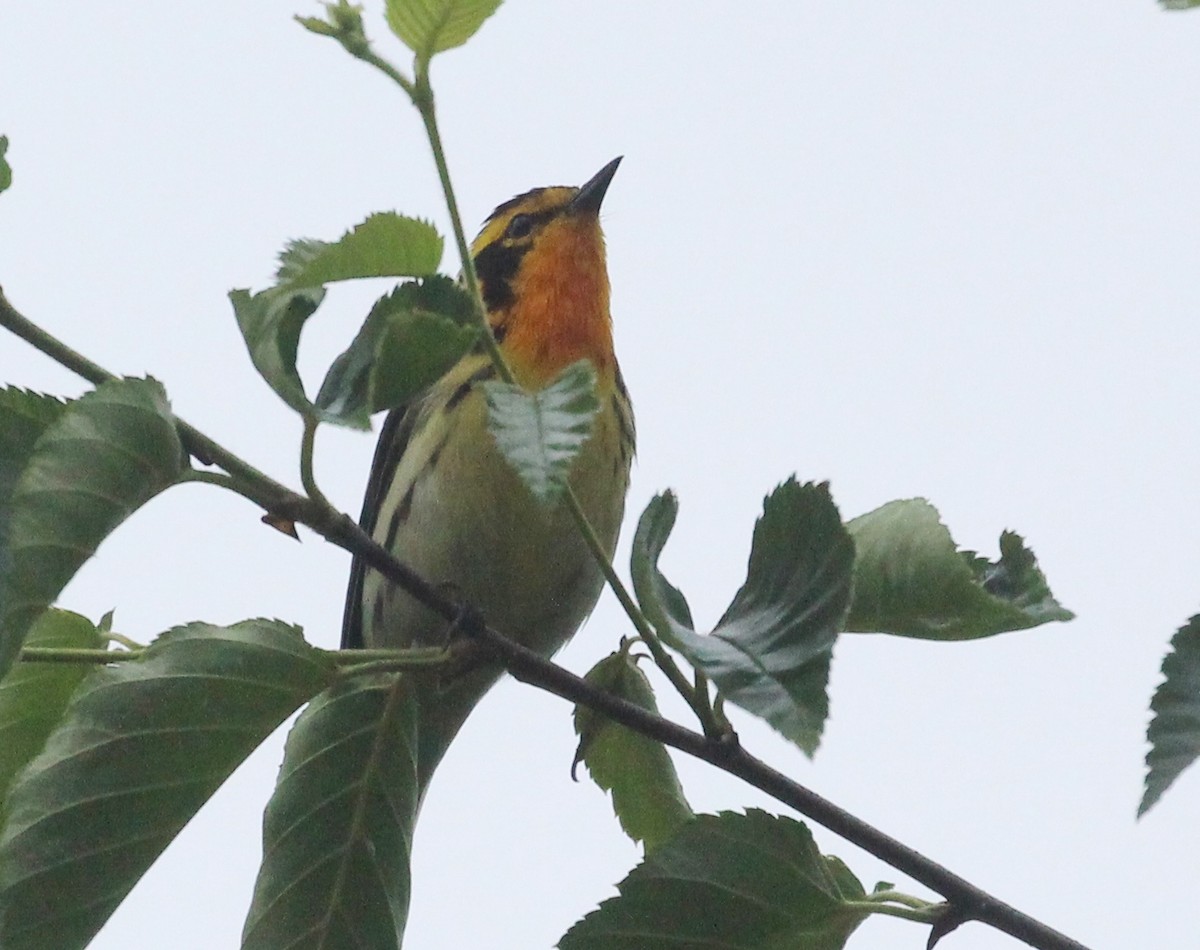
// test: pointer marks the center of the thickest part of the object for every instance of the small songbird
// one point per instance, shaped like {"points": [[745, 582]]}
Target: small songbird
{"points": [[443, 498]]}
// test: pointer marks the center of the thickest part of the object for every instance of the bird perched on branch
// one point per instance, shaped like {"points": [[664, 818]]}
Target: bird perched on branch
{"points": [[443, 498]]}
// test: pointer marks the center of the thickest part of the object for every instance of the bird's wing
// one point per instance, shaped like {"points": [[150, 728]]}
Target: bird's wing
{"points": [[393, 440]]}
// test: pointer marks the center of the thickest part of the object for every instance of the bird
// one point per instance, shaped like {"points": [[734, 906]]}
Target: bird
{"points": [[444, 500]]}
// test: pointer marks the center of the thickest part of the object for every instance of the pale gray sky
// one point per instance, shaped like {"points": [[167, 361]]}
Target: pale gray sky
{"points": [[915, 249]]}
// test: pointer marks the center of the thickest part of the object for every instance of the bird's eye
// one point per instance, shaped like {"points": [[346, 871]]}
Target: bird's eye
{"points": [[519, 226]]}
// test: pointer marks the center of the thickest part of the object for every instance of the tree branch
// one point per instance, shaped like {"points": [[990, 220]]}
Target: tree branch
{"points": [[723, 750]]}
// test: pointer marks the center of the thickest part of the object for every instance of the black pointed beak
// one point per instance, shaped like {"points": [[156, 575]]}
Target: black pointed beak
{"points": [[591, 194]]}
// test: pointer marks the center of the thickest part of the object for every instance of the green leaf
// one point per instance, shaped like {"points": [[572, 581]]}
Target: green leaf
{"points": [[413, 354], [271, 321], [338, 830], [106, 455], [646, 794], [911, 580], [411, 337], [34, 695], [541, 433], [386, 244], [1174, 732], [24, 416], [5, 168], [143, 745], [663, 603], [729, 881], [1179, 4], [770, 651], [432, 26]]}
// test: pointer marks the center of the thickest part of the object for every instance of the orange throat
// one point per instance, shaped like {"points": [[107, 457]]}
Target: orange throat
{"points": [[560, 311]]}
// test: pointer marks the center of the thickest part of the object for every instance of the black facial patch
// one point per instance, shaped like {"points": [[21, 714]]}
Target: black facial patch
{"points": [[496, 265]]}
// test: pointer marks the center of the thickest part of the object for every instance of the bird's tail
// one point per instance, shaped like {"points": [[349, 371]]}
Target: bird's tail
{"points": [[442, 707]]}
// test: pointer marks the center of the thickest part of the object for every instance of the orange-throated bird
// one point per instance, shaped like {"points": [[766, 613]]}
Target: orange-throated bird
{"points": [[445, 501]]}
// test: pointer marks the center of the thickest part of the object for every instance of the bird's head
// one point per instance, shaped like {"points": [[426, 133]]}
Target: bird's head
{"points": [[542, 273]]}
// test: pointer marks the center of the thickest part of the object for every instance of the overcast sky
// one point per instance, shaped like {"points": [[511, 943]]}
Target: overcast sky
{"points": [[929, 249]]}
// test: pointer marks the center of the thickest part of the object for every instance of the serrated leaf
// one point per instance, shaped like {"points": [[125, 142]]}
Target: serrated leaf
{"points": [[338, 830], [106, 455], [731, 881], [34, 695], [411, 337], [646, 795], [1174, 732], [5, 168], [1179, 4], [142, 746], [541, 433], [911, 580], [271, 321], [386, 244], [770, 652], [432, 26]]}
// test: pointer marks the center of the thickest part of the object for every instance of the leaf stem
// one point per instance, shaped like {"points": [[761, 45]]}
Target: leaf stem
{"points": [[658, 652], [899, 897], [124, 641], [927, 915], [411, 659], [391, 666], [422, 98], [418, 655], [371, 58], [221, 480], [307, 479], [76, 655]]}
